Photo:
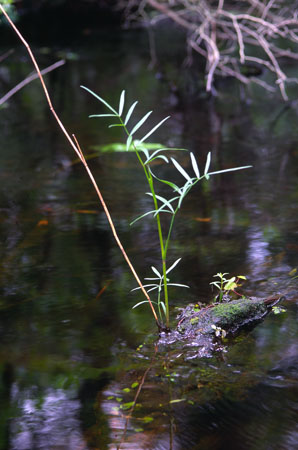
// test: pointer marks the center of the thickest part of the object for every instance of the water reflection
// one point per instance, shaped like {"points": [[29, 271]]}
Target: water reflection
{"points": [[66, 316], [258, 251], [48, 422]]}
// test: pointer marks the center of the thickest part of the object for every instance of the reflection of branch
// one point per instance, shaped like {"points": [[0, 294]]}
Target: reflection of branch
{"points": [[136, 397], [74, 144], [171, 14], [29, 79], [6, 55], [217, 30]]}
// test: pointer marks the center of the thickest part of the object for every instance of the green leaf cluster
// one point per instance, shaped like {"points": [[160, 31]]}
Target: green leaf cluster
{"points": [[146, 155]]}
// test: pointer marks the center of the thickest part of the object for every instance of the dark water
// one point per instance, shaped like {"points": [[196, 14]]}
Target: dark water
{"points": [[71, 358]]}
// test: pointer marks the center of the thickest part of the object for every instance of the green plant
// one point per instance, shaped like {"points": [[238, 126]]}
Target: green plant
{"points": [[159, 284], [225, 285], [161, 205], [278, 309]]}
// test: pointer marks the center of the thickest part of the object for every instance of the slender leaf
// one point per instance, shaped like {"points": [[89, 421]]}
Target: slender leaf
{"points": [[156, 271], [173, 265], [176, 149], [116, 125], [169, 183], [184, 192], [152, 289], [154, 128], [145, 286], [142, 149], [195, 165], [121, 103], [229, 170], [149, 160], [141, 217], [151, 279], [100, 99], [129, 113], [163, 307], [128, 142], [141, 303], [140, 123], [208, 161], [153, 155], [165, 149], [180, 169], [178, 285], [102, 115], [163, 200], [162, 210]]}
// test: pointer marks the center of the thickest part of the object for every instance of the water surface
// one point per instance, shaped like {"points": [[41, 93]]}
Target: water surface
{"points": [[74, 355]]}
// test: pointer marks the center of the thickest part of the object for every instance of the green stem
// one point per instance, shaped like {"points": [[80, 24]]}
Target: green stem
{"points": [[162, 248], [161, 240], [170, 231], [158, 304]]}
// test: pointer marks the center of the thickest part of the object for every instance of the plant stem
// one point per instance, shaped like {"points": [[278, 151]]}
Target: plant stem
{"points": [[170, 231], [162, 249], [159, 229]]}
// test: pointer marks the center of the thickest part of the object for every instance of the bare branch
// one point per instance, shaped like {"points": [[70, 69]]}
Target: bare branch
{"points": [[6, 55], [28, 80]]}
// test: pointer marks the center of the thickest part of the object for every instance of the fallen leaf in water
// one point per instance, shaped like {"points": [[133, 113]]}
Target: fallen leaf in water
{"points": [[103, 289], [177, 400], [42, 223], [86, 211], [293, 272], [203, 219]]}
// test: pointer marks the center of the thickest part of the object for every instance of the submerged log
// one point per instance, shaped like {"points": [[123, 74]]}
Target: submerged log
{"points": [[199, 327]]}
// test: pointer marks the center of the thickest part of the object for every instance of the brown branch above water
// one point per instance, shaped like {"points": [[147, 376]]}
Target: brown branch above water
{"points": [[231, 36]]}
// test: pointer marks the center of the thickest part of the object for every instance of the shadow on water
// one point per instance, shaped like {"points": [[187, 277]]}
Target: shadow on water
{"points": [[79, 368]]}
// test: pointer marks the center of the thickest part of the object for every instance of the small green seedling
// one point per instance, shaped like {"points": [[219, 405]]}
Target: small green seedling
{"points": [[278, 309], [225, 285]]}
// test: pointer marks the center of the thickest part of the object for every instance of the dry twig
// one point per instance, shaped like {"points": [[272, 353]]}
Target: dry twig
{"points": [[75, 145]]}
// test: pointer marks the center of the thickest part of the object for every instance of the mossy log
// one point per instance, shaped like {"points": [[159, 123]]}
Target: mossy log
{"points": [[203, 328], [228, 316]]}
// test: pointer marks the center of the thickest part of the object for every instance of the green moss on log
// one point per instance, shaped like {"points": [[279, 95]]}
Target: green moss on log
{"points": [[228, 316]]}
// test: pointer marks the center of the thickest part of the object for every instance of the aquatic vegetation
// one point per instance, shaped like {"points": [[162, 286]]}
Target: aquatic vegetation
{"points": [[278, 309], [161, 204], [225, 285]]}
